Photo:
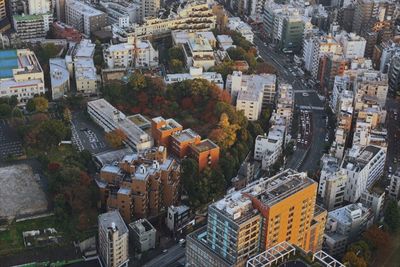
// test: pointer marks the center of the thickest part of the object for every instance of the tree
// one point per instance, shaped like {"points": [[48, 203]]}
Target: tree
{"points": [[137, 81], [392, 216], [353, 260], [263, 67], [52, 132], [225, 133], [5, 110], [30, 105], [67, 115], [377, 238], [41, 104], [176, 66], [176, 53], [236, 53], [116, 138]]}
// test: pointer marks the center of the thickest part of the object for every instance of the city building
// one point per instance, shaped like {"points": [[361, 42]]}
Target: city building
{"points": [[119, 55], [371, 86], [374, 199], [364, 166], [4, 21], [142, 234], [59, 78], [36, 7], [344, 225], [20, 75], [269, 148], [264, 83], [353, 45], [142, 184], [83, 17], [149, 8], [225, 42], [122, 13], [236, 24], [195, 73], [263, 214], [184, 143], [145, 55], [63, 31], [178, 217], [181, 37], [32, 27], [199, 52], [314, 48], [394, 74], [193, 16], [332, 183], [113, 240], [250, 102], [285, 105], [109, 118], [394, 186]]}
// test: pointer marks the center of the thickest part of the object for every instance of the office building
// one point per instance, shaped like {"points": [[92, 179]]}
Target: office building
{"points": [[4, 21], [195, 73], [149, 8], [20, 75], [394, 186], [199, 52], [83, 17], [32, 27], [113, 240], [374, 199], [268, 148], [178, 217], [143, 235], [364, 166], [142, 184], [250, 102], [109, 118], [353, 45], [345, 225], [59, 77], [122, 13], [37, 7], [332, 183], [261, 215], [371, 86]]}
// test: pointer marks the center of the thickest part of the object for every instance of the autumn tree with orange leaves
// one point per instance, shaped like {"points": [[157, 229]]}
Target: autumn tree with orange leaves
{"points": [[116, 138]]}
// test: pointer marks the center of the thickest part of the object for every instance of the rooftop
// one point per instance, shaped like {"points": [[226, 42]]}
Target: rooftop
{"points": [[204, 145], [185, 135], [141, 226], [112, 220], [58, 71], [84, 8]]}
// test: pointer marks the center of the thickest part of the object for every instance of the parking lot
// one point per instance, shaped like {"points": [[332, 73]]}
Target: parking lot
{"points": [[86, 134], [10, 145]]}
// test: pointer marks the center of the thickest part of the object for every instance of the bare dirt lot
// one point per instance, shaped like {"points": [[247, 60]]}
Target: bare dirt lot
{"points": [[20, 192]]}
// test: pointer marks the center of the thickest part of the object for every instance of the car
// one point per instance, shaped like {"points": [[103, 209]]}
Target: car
{"points": [[165, 251], [294, 148], [306, 142], [302, 141], [390, 169], [326, 139], [305, 94], [298, 140]]}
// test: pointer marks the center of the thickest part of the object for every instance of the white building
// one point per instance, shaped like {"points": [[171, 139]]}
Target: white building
{"points": [[196, 73], [394, 187], [199, 52], [83, 17], [353, 45], [113, 240], [250, 102], [119, 55], [332, 183], [374, 200], [21, 75], [109, 118], [145, 55], [345, 225], [142, 235], [342, 98], [122, 13], [37, 7], [59, 77], [265, 83], [364, 166], [268, 148], [285, 104], [149, 8], [371, 86], [236, 24], [225, 42]]}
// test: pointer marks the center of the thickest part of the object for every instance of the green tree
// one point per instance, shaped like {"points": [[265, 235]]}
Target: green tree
{"points": [[176, 53], [30, 105], [137, 81], [224, 68], [237, 53], [392, 216], [5, 110], [176, 66], [52, 132]]}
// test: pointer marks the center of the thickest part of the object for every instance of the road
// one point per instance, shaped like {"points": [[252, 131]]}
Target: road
{"points": [[305, 98], [174, 255]]}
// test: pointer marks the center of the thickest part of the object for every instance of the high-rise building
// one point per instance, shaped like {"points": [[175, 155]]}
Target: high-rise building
{"points": [[142, 235], [149, 8], [37, 7], [30, 27], [370, 86], [113, 240], [83, 17], [4, 21], [265, 213]]}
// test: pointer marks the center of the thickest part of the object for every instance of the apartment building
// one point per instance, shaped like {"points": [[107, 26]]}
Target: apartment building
{"points": [[143, 235], [199, 52], [191, 16], [394, 186], [370, 86], [122, 13], [109, 118], [184, 143], [342, 96], [236, 24], [181, 37], [32, 27], [374, 199], [4, 22], [145, 55], [149, 8], [345, 225], [119, 55], [314, 48], [250, 102], [21, 75], [332, 183], [364, 166], [142, 184], [59, 78], [369, 127], [353, 45], [178, 217], [83, 17], [113, 240], [195, 73], [63, 31], [261, 215]]}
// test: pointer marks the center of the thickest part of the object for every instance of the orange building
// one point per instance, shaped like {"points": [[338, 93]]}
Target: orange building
{"points": [[287, 202], [206, 153], [162, 130], [141, 185], [180, 142]]}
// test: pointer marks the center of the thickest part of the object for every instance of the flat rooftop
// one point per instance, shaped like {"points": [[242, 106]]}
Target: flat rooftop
{"points": [[113, 220], [204, 145], [9, 61], [185, 135], [21, 61]]}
